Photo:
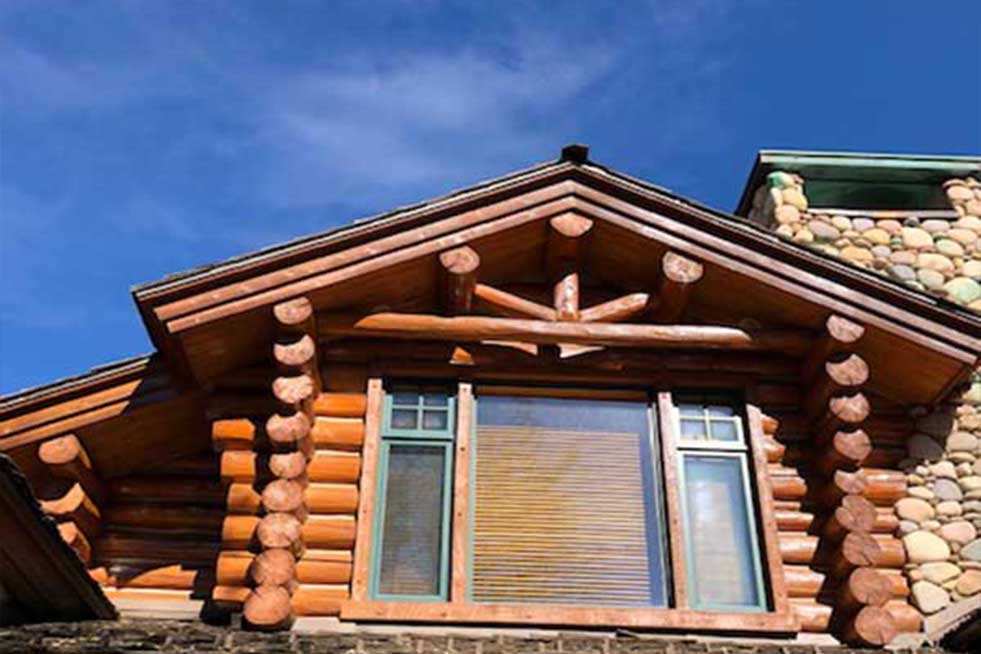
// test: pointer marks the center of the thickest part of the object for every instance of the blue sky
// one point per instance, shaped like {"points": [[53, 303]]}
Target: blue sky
{"points": [[139, 139]]}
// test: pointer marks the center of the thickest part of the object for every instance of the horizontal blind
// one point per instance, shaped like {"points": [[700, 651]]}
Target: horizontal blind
{"points": [[559, 517]]}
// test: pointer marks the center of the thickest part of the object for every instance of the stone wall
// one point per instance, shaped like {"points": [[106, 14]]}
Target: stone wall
{"points": [[125, 637], [938, 255], [941, 519]]}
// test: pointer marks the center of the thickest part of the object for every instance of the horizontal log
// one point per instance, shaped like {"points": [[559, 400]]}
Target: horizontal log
{"points": [[244, 466], [428, 327], [898, 584], [863, 587], [770, 424], [840, 484], [872, 626], [71, 534], [225, 405], [814, 617], [802, 581], [886, 520], [856, 550], [885, 487], [337, 467], [329, 532], [76, 506], [338, 433], [296, 357], [340, 405], [202, 467], [174, 519], [268, 608], [797, 548], [160, 490], [232, 596], [243, 499], [296, 393], [906, 617], [176, 577], [118, 548], [233, 434], [892, 553], [773, 449], [847, 450], [320, 498], [853, 514], [676, 280], [793, 520], [66, 458], [314, 567], [788, 487], [319, 599], [294, 317]]}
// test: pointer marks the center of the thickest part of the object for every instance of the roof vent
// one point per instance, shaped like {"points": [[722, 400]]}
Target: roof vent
{"points": [[575, 153]]}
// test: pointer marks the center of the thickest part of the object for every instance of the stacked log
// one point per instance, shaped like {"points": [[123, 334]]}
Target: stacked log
{"points": [[845, 550], [77, 509]]}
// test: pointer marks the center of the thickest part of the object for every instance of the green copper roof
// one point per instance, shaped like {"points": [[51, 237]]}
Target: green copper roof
{"points": [[863, 180]]}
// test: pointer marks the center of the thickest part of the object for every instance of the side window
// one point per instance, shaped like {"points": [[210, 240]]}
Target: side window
{"points": [[411, 530], [721, 542]]}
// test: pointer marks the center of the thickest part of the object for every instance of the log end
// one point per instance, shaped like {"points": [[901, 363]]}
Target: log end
{"points": [[287, 430], [460, 261], [680, 269], [283, 496], [872, 626], [280, 530], [571, 225], [288, 465], [60, 451], [268, 608], [275, 567], [293, 313]]}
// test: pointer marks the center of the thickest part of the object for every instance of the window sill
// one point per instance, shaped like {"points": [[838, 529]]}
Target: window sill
{"points": [[581, 616]]}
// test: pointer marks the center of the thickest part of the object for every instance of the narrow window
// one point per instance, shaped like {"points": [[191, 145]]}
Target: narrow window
{"points": [[723, 559], [414, 482], [566, 503]]}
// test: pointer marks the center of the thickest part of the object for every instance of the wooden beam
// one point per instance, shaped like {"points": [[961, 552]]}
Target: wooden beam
{"points": [[840, 335], [621, 308], [458, 274], [510, 305], [676, 279], [563, 255], [478, 328], [66, 458]]}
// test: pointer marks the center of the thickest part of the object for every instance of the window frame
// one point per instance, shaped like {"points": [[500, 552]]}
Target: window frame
{"points": [[418, 437], [777, 618]]}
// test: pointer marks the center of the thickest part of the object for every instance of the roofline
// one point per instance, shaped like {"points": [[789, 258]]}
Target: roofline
{"points": [[107, 372]]}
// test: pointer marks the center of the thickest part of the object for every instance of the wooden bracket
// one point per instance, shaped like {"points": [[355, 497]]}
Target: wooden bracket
{"points": [[675, 282]]}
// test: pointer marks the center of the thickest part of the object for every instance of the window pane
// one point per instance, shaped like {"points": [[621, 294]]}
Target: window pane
{"points": [[724, 430], [405, 398], [721, 410], [413, 521], [434, 420], [690, 409], [435, 399], [693, 429], [566, 509], [404, 418], [724, 565]]}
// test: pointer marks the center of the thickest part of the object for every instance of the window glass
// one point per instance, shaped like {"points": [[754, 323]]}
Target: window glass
{"points": [[566, 506], [721, 545], [412, 535]]}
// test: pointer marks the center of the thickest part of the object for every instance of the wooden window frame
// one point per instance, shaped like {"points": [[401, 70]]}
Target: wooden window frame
{"points": [[779, 617]]}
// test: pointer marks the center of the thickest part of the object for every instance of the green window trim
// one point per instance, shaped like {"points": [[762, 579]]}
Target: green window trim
{"points": [[429, 398]]}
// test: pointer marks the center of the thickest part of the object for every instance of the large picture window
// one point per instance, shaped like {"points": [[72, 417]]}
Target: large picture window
{"points": [[528, 501]]}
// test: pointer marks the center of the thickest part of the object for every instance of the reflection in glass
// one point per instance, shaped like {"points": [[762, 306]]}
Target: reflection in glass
{"points": [[723, 561], [404, 418], [434, 419]]}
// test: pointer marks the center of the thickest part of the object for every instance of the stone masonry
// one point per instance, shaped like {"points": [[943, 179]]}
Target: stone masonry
{"points": [[940, 520]]}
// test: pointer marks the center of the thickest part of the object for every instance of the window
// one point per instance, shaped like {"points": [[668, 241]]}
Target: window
{"points": [[555, 500], [722, 553], [414, 480]]}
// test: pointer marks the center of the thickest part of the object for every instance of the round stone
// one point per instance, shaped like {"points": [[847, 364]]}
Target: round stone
{"points": [[923, 547], [923, 447], [962, 236], [969, 583], [972, 551], [973, 394], [931, 279], [950, 508], [972, 269], [841, 223], [795, 198], [969, 484], [907, 527], [876, 236], [950, 248], [963, 289], [970, 222], [944, 469], [935, 226], [787, 214], [947, 490], [914, 509], [929, 597], [891, 226], [961, 532], [920, 492], [904, 257], [916, 238], [856, 254], [804, 236], [901, 272], [933, 261], [962, 441], [823, 231], [939, 572], [780, 179], [959, 194], [862, 224]]}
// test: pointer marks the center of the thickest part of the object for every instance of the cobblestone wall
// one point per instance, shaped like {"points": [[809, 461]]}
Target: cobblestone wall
{"points": [[125, 637], [941, 519]]}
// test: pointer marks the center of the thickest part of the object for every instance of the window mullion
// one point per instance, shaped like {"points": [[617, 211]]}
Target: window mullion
{"points": [[668, 428]]}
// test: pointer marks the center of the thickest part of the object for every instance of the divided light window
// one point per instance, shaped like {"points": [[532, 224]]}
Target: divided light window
{"points": [[567, 500]]}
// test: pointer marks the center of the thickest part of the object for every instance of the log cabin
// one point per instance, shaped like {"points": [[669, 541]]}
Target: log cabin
{"points": [[564, 398]]}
